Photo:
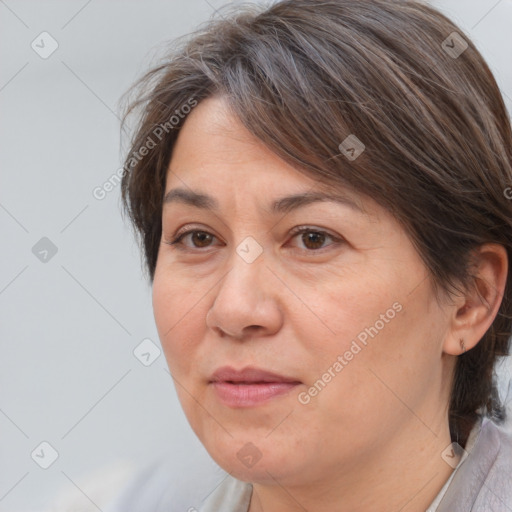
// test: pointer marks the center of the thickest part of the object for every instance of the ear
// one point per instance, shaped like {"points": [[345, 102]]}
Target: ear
{"points": [[475, 311]]}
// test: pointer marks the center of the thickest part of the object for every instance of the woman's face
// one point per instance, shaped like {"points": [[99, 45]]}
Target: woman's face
{"points": [[325, 304]]}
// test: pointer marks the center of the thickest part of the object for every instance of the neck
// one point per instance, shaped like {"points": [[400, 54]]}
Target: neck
{"points": [[406, 475]]}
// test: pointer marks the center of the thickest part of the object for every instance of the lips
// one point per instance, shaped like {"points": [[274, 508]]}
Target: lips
{"points": [[248, 375], [250, 386]]}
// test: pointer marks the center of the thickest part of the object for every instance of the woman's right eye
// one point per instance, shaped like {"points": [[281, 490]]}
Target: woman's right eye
{"points": [[198, 238]]}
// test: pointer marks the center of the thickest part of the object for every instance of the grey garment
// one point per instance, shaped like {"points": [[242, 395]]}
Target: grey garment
{"points": [[231, 495], [170, 484], [483, 482]]}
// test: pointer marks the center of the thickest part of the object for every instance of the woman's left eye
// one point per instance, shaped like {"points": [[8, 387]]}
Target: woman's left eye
{"points": [[313, 239], [310, 239]]}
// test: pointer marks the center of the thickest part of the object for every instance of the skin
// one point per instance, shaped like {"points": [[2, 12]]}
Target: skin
{"points": [[372, 438]]}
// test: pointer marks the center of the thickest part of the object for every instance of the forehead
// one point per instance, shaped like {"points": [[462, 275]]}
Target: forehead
{"points": [[213, 139], [216, 156]]}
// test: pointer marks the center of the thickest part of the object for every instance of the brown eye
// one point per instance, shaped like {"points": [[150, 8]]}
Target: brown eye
{"points": [[313, 240], [192, 239], [201, 238]]}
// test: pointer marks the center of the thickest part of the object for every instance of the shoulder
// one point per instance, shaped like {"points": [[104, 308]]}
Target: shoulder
{"points": [[231, 495], [169, 484], [160, 488], [483, 481]]}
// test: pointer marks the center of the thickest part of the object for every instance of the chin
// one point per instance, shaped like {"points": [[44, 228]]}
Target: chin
{"points": [[252, 458]]}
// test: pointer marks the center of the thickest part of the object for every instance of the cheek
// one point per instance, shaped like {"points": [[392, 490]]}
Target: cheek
{"points": [[180, 321], [358, 303], [180, 324], [372, 321], [371, 294]]}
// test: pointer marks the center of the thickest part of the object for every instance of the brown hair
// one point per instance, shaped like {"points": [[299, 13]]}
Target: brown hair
{"points": [[303, 75]]}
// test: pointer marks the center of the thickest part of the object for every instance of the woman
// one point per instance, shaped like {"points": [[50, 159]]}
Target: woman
{"points": [[319, 190]]}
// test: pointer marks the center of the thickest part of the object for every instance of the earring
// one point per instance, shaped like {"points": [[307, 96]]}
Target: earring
{"points": [[462, 345]]}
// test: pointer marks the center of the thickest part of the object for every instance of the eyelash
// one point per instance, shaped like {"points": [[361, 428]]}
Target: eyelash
{"points": [[177, 240]]}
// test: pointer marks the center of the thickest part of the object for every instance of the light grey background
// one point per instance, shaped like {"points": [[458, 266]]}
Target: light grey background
{"points": [[68, 326]]}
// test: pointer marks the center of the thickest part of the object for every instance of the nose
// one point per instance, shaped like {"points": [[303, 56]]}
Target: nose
{"points": [[246, 302]]}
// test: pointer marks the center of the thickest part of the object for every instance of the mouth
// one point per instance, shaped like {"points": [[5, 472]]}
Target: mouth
{"points": [[250, 386]]}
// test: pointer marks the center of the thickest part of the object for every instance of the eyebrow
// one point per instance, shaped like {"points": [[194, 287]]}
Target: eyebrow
{"points": [[282, 205]]}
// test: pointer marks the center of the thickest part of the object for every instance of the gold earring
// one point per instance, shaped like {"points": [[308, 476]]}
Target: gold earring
{"points": [[462, 346]]}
